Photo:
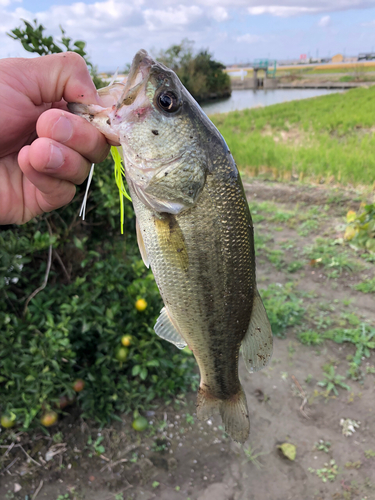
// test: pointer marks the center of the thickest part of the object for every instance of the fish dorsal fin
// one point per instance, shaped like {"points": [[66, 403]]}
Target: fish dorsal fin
{"points": [[257, 343], [141, 245], [165, 328]]}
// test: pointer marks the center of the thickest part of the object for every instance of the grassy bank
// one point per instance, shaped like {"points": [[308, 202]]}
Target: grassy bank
{"points": [[325, 138]]}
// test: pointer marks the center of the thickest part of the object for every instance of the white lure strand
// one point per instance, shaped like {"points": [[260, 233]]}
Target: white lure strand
{"points": [[82, 212]]}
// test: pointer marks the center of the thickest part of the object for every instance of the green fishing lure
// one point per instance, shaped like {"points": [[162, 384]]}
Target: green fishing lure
{"points": [[119, 172]]}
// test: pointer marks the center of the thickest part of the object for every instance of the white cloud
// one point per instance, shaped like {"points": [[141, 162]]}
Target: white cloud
{"points": [[4, 3], [248, 38], [109, 16], [324, 21], [172, 18], [115, 29], [220, 14], [281, 10]]}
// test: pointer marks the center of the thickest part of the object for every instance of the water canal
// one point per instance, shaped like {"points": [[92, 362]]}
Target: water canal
{"points": [[242, 99]]}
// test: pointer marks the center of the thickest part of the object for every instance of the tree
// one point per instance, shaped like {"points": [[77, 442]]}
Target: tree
{"points": [[200, 74], [33, 40]]}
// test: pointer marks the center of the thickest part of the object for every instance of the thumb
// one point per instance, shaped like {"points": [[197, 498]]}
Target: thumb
{"points": [[59, 76]]}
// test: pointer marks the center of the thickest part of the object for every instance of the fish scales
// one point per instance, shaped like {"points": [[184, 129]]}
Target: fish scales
{"points": [[195, 230], [210, 299]]}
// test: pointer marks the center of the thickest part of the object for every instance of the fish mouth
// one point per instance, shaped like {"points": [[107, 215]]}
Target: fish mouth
{"points": [[137, 78], [119, 94]]}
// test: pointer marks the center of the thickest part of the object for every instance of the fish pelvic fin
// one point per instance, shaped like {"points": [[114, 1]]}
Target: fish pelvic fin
{"points": [[258, 342], [233, 412], [167, 330]]}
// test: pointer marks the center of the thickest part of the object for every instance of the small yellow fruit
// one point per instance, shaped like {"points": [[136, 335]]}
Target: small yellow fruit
{"points": [[49, 418], [7, 422], [140, 424], [141, 305], [122, 354], [350, 232], [351, 216], [126, 340]]}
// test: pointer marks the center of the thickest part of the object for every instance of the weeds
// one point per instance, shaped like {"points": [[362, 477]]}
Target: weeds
{"points": [[308, 227], [329, 256], [322, 445], [310, 338], [295, 266], [252, 456], [332, 380], [354, 372], [367, 286], [284, 308], [363, 338], [328, 472], [353, 465], [189, 419], [95, 445]]}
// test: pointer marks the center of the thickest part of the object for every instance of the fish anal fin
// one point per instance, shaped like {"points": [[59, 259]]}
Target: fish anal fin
{"points": [[233, 412], [258, 341], [141, 245], [165, 329]]}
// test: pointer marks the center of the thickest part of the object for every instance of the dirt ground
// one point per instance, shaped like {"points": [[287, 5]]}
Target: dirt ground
{"points": [[180, 458]]}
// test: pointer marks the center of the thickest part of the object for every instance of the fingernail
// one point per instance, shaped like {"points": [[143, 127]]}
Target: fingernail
{"points": [[56, 157], [62, 130]]}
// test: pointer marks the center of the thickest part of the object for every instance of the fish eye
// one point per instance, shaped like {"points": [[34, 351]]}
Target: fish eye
{"points": [[168, 102]]}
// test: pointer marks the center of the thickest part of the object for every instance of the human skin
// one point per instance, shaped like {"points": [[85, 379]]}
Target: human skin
{"points": [[44, 150]]}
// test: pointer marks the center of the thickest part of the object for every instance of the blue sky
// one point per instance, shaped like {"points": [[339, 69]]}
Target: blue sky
{"points": [[233, 30]]}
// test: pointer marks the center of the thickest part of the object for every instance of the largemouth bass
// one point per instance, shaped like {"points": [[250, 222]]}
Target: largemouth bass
{"points": [[194, 229]]}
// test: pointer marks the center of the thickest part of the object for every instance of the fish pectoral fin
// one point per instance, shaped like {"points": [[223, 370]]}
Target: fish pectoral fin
{"points": [[141, 245], [165, 328], [257, 343]]}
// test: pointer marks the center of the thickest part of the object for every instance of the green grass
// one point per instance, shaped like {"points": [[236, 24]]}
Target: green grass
{"points": [[362, 337], [302, 71], [284, 308], [310, 338], [332, 380], [348, 69], [331, 137], [367, 286], [330, 256]]}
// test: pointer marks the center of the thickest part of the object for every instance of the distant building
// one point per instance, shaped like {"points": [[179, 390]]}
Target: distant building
{"points": [[338, 58], [366, 56]]}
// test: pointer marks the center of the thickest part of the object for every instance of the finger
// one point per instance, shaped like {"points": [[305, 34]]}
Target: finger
{"points": [[74, 132], [59, 76], [54, 159], [51, 193]]}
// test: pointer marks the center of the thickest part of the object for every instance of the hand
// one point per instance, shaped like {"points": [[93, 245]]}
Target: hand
{"points": [[44, 149]]}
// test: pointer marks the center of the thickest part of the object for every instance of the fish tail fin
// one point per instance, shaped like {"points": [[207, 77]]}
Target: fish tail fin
{"points": [[235, 416], [207, 405], [233, 411]]}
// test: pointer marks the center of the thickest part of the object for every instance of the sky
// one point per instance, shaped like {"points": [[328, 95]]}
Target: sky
{"points": [[234, 31]]}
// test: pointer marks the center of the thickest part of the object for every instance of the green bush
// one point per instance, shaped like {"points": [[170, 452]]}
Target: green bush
{"points": [[73, 327], [360, 229]]}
